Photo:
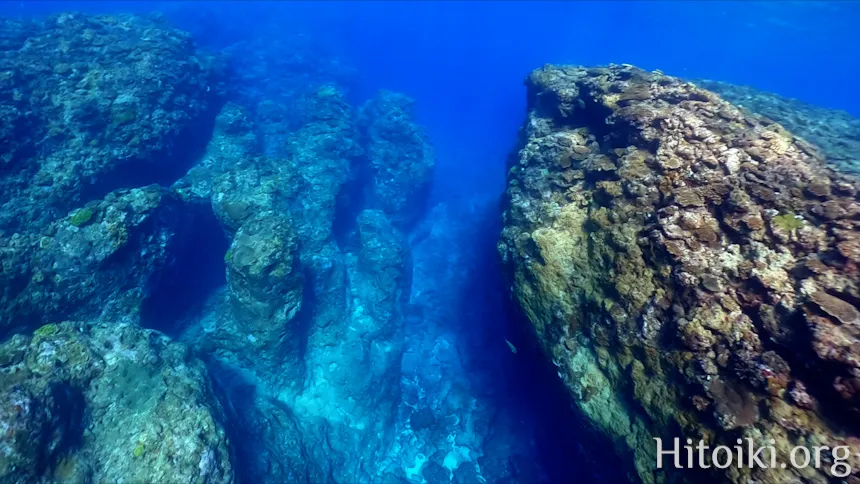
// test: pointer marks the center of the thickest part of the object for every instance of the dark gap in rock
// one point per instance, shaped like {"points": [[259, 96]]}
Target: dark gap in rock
{"points": [[424, 192], [523, 383], [818, 375], [197, 269], [295, 341], [70, 429], [169, 165], [351, 201], [565, 439], [237, 396]]}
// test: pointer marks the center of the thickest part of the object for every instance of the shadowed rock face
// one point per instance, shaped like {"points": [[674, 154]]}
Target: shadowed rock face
{"points": [[689, 268], [400, 158], [307, 336]]}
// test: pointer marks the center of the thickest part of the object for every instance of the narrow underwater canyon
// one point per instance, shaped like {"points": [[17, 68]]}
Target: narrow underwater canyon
{"points": [[223, 260], [231, 238]]}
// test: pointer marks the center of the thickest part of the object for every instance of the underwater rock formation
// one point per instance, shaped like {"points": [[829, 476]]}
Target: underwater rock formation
{"points": [[90, 402], [281, 256], [308, 325], [98, 263], [689, 268], [835, 133], [400, 157], [232, 143], [91, 104], [265, 282], [279, 74]]}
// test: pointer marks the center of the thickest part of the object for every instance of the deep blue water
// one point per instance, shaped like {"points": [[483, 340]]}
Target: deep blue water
{"points": [[464, 64]]}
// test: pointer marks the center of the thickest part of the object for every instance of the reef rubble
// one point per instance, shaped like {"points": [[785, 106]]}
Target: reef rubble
{"points": [[688, 267]]}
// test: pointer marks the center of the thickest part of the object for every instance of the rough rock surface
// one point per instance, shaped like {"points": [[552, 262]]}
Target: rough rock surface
{"points": [[690, 269], [90, 103], [99, 262], [309, 327], [835, 133], [400, 157], [232, 143], [265, 283], [87, 402]]}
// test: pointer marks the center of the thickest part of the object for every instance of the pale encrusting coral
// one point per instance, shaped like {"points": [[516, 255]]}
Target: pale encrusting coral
{"points": [[691, 270], [835, 133]]}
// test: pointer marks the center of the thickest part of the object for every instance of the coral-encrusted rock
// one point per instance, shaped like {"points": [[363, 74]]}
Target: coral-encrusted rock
{"points": [[688, 267], [90, 104], [265, 282], [233, 143], [107, 403], [319, 157], [382, 258], [835, 133], [401, 158], [99, 262]]}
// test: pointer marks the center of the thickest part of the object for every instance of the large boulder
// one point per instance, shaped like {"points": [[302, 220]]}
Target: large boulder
{"points": [[90, 104], [689, 268], [265, 284], [99, 262], [107, 403]]}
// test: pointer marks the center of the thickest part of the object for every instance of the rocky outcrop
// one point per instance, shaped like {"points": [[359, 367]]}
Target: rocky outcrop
{"points": [[400, 157], [836, 134], [232, 144], [265, 283], [99, 262], [311, 323], [87, 402], [91, 104], [689, 268], [282, 258]]}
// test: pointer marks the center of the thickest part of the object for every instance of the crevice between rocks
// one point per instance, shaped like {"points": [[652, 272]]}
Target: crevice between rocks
{"points": [[195, 272]]}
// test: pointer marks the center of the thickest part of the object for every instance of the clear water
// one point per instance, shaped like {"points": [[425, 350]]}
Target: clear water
{"points": [[464, 64]]}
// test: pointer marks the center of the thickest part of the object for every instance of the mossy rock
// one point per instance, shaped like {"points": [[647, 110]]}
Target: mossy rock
{"points": [[788, 222], [81, 217], [47, 330]]}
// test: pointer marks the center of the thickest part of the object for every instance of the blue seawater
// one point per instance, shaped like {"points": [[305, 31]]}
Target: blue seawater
{"points": [[392, 350]]}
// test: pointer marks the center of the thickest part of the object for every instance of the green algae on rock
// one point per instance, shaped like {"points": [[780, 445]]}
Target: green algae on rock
{"points": [[647, 242], [92, 402]]}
